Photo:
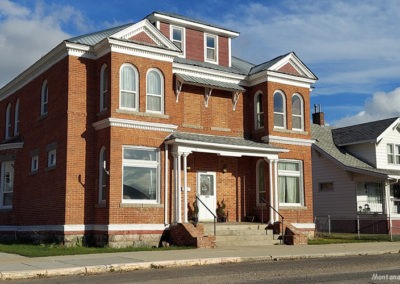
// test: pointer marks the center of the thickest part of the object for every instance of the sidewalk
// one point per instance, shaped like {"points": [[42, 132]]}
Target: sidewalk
{"points": [[19, 267]]}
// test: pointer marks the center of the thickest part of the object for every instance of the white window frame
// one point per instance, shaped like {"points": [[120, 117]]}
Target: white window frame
{"points": [[3, 180], [397, 154], [35, 163], [161, 95], [135, 92], [258, 116], [283, 96], [258, 189], [16, 119], [290, 173], [104, 90], [8, 122], [390, 153], [206, 59], [52, 158], [44, 99], [301, 115], [103, 173], [145, 164], [183, 38]]}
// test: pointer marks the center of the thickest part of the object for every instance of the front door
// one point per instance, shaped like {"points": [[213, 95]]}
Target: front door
{"points": [[206, 191]]}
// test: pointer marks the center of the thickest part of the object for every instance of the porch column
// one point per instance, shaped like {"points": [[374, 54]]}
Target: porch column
{"points": [[177, 183], [271, 191], [185, 197], [276, 189], [166, 173]]}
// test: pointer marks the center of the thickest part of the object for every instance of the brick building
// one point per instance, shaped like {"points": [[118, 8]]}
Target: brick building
{"points": [[113, 134]]}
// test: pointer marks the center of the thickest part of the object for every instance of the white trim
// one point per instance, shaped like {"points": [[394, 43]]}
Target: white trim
{"points": [[292, 173], [7, 146], [216, 49], [128, 123], [288, 140], [183, 39], [196, 26], [284, 113], [135, 92], [287, 79], [162, 91], [301, 112], [304, 225], [208, 73], [229, 52]]}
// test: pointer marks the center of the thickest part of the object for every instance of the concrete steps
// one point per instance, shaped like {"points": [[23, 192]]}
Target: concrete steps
{"points": [[241, 234]]}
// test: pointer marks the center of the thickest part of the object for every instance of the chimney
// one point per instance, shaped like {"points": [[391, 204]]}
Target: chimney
{"points": [[318, 115]]}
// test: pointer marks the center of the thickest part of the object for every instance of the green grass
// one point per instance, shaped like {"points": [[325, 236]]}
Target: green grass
{"points": [[31, 250], [337, 238]]}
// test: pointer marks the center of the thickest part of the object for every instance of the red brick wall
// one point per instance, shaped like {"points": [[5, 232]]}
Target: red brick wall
{"points": [[223, 51]]}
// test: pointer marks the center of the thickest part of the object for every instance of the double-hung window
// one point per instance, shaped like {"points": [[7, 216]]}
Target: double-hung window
{"points": [[258, 111], [290, 183], [178, 37], [129, 98], [279, 110], [141, 175], [297, 112], [6, 184], [211, 48], [103, 87], [44, 99], [393, 154], [155, 91]]}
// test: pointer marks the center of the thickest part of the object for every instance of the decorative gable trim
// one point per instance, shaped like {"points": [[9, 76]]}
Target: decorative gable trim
{"points": [[296, 64], [128, 123], [395, 125]]}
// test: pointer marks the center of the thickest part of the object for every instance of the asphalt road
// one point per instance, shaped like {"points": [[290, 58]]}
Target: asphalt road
{"points": [[354, 269]]}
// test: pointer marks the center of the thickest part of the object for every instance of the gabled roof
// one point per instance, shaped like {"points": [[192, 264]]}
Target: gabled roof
{"points": [[369, 132], [324, 144]]}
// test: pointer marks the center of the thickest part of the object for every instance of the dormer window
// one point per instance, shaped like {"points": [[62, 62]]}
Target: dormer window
{"points": [[211, 50], [178, 37]]}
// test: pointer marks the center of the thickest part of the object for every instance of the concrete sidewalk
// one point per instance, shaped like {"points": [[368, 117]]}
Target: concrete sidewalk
{"points": [[19, 267]]}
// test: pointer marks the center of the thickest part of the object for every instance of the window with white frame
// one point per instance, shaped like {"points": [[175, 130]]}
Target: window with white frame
{"points": [[34, 163], [129, 98], [141, 175], [397, 154], [154, 91], [297, 112], [260, 176], [258, 111], [51, 158], [6, 184], [103, 87], [211, 48], [178, 37], [44, 99], [370, 197], [16, 119], [290, 182], [279, 110], [8, 122], [102, 175], [393, 154]]}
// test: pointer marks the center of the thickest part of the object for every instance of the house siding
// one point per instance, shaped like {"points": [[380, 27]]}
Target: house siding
{"points": [[392, 136]]}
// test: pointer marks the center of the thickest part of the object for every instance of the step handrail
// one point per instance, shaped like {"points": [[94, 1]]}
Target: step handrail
{"points": [[215, 217], [276, 211]]}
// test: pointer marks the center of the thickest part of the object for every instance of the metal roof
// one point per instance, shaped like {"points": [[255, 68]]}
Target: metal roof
{"points": [[208, 65], [366, 132], [198, 81]]}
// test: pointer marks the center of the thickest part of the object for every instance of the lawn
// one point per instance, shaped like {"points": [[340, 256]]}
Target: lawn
{"points": [[337, 238], [31, 250]]}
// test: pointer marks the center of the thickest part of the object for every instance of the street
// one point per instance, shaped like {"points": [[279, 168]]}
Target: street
{"points": [[352, 269]]}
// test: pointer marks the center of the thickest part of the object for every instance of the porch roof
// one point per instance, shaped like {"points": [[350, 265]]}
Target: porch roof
{"points": [[222, 145], [209, 83]]}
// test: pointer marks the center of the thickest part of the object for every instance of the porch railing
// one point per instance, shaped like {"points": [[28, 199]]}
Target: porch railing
{"points": [[265, 205], [212, 213]]}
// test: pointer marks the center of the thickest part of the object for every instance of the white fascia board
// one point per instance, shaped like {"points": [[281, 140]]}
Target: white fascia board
{"points": [[80, 50], [390, 128], [127, 123], [196, 26], [145, 51], [37, 68], [288, 140], [7, 146], [207, 73], [271, 76]]}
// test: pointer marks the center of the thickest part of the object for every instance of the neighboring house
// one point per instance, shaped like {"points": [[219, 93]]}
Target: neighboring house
{"points": [[356, 172], [112, 135]]}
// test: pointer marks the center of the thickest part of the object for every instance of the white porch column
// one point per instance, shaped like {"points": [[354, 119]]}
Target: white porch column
{"points": [[166, 173], [177, 187], [276, 189], [185, 197], [271, 192]]}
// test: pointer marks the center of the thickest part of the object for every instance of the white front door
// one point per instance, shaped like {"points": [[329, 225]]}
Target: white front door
{"points": [[206, 191]]}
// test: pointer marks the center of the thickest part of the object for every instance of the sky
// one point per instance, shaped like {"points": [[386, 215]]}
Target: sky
{"points": [[353, 46]]}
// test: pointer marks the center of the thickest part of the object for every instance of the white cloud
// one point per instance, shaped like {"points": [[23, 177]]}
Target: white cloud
{"points": [[27, 33], [381, 105]]}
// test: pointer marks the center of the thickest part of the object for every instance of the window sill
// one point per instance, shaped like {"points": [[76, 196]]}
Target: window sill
{"points": [[141, 205], [284, 130], [50, 168], [146, 114], [293, 207]]}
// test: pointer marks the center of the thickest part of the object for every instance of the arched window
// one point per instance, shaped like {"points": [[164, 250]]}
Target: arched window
{"points": [[279, 110], [16, 119], [258, 111], [102, 175], [129, 98], [8, 121], [297, 112], [44, 99], [260, 187], [103, 87], [155, 91]]}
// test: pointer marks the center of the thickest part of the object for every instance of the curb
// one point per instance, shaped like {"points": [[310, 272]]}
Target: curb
{"points": [[121, 267]]}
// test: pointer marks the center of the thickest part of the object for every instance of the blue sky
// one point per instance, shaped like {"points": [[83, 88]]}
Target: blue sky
{"points": [[353, 46]]}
